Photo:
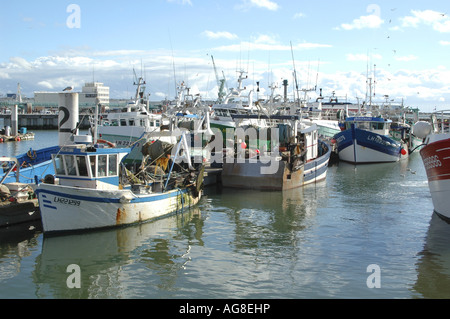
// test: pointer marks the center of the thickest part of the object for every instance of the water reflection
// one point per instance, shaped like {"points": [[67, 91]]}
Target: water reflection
{"points": [[16, 243], [259, 212], [258, 241], [106, 258], [433, 267]]}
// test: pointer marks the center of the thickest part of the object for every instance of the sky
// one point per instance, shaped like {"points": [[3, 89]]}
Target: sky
{"points": [[401, 46]]}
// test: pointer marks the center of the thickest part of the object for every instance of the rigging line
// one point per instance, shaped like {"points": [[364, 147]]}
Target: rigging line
{"points": [[295, 75], [173, 63]]}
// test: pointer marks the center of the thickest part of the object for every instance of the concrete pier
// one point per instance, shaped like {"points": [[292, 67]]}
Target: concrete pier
{"points": [[41, 121]]}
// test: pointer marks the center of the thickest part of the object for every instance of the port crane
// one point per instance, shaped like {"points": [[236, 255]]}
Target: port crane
{"points": [[220, 82]]}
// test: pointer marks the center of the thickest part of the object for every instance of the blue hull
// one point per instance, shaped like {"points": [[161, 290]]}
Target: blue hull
{"points": [[316, 170], [361, 146]]}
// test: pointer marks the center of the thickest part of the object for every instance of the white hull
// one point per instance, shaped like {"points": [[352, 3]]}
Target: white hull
{"points": [[365, 155], [436, 159], [76, 209], [440, 194]]}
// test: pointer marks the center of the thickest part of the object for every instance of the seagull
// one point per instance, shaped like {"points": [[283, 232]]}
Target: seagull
{"points": [[69, 88]]}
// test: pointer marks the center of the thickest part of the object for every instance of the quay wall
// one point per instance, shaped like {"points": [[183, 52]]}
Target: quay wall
{"points": [[41, 121]]}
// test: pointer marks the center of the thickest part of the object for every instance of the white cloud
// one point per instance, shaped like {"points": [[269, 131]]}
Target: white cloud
{"points": [[45, 84], [438, 21], [219, 35], [181, 2], [444, 43], [265, 4], [362, 57], [270, 46], [264, 38], [420, 88], [407, 58], [299, 15], [18, 62], [371, 21]]}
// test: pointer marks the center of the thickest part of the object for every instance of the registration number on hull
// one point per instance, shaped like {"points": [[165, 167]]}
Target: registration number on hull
{"points": [[66, 201]]}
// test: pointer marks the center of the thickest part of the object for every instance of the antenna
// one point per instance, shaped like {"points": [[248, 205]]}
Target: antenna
{"points": [[295, 75], [374, 78], [173, 63], [317, 75]]}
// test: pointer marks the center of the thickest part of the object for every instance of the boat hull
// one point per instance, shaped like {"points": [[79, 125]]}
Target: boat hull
{"points": [[359, 146], [436, 159], [65, 209], [273, 173], [17, 213]]}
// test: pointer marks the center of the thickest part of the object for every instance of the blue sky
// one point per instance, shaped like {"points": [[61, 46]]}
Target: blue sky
{"points": [[47, 45]]}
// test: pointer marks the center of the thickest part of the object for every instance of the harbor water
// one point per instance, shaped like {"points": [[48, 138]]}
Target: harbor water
{"points": [[368, 231]]}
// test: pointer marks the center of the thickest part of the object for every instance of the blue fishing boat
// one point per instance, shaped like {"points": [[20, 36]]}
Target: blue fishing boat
{"points": [[29, 167], [367, 140]]}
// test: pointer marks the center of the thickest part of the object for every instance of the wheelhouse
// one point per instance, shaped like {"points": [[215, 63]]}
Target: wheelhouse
{"points": [[372, 124], [88, 167]]}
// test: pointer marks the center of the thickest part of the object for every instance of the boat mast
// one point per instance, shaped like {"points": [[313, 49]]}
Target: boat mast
{"points": [[295, 80]]}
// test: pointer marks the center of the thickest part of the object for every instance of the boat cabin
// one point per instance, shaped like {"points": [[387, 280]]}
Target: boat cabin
{"points": [[228, 110], [88, 167], [311, 141], [146, 121], [373, 124]]}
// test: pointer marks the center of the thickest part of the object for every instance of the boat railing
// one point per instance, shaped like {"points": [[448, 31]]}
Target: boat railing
{"points": [[440, 121], [14, 166]]}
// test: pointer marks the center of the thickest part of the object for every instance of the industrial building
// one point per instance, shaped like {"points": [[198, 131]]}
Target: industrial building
{"points": [[91, 94]]}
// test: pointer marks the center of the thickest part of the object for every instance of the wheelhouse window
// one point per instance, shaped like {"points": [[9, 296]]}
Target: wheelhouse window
{"points": [[93, 163], [86, 166], [112, 165], [59, 165], [70, 165], [102, 160], [82, 167]]}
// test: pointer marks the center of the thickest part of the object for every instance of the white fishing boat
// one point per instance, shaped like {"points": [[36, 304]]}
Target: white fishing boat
{"points": [[128, 127], [92, 189], [366, 139], [436, 159], [296, 158], [235, 103]]}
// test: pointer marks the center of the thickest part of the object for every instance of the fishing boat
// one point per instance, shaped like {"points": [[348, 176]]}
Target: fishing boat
{"points": [[235, 103], [366, 139], [296, 158], [436, 159], [18, 203], [93, 189], [129, 127], [126, 126], [28, 167]]}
